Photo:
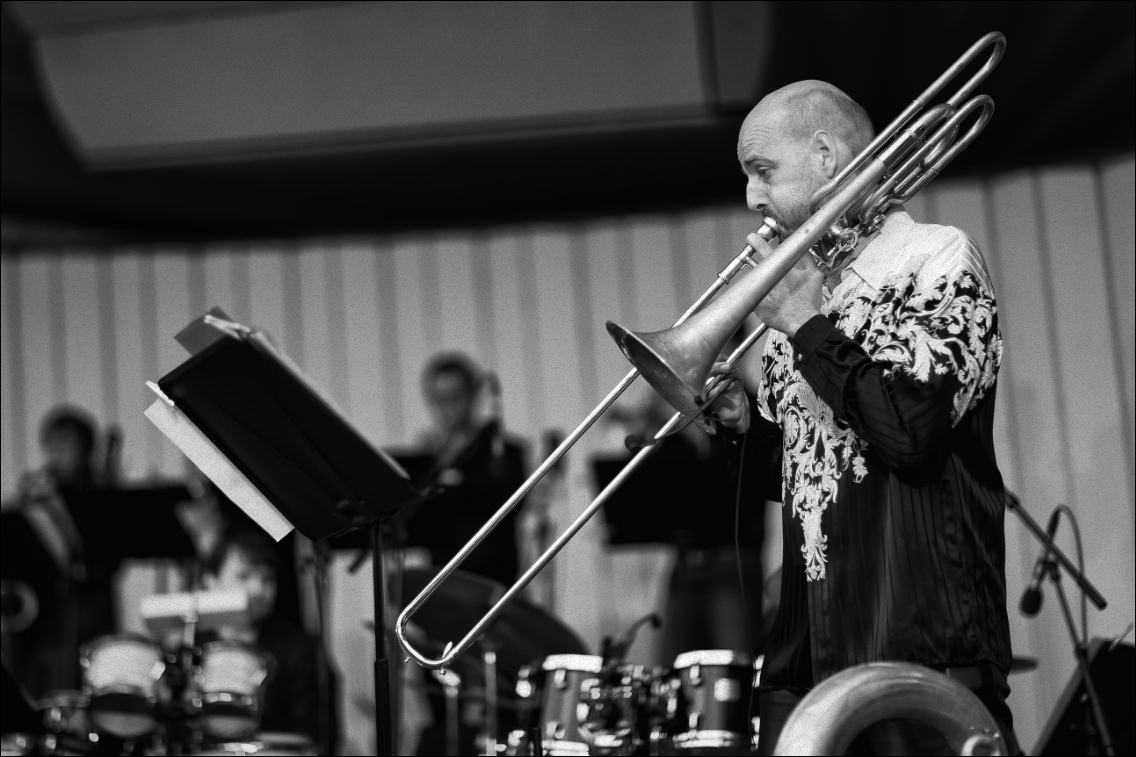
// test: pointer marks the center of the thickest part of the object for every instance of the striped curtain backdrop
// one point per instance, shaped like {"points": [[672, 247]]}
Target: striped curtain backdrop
{"points": [[362, 315]]}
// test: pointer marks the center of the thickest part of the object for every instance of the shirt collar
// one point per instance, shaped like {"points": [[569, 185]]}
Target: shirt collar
{"points": [[881, 257]]}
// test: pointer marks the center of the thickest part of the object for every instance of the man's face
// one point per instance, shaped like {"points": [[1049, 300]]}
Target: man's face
{"points": [[67, 455], [450, 399], [257, 581], [782, 171]]}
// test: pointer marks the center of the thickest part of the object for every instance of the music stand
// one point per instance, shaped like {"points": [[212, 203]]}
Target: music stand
{"points": [[277, 446]]}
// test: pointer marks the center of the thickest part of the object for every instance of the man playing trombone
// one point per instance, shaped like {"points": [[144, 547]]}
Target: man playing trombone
{"points": [[876, 407]]}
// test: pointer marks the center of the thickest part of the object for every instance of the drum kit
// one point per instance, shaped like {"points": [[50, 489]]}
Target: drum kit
{"points": [[140, 699], [555, 699], [579, 705]]}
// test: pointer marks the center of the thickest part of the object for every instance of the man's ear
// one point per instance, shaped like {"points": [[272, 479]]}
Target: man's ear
{"points": [[825, 153]]}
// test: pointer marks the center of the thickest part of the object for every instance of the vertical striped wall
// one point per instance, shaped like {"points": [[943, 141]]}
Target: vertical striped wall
{"points": [[363, 315]]}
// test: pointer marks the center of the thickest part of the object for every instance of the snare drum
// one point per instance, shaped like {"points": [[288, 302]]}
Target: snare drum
{"points": [[120, 674], [708, 700], [614, 710], [231, 686], [550, 701]]}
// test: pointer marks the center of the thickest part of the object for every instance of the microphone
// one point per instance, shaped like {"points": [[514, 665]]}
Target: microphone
{"points": [[1031, 597], [615, 652]]}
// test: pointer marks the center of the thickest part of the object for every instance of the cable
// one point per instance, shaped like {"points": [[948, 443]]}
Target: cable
{"points": [[1081, 567], [738, 556]]}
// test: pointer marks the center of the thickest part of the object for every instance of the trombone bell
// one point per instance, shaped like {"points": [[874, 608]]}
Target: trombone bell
{"points": [[672, 361], [676, 362]]}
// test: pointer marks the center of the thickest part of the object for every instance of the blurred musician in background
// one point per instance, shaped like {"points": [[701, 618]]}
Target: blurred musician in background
{"points": [[209, 516], [246, 559], [71, 527], [67, 438], [467, 456], [478, 467], [43, 540], [877, 404]]}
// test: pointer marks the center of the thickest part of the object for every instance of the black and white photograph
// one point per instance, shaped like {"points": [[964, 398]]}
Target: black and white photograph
{"points": [[567, 377]]}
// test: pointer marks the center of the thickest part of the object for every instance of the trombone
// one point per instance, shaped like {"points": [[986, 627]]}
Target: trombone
{"points": [[900, 161]]}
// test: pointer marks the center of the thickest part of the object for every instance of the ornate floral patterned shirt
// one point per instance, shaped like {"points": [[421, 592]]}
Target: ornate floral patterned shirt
{"points": [[878, 416]]}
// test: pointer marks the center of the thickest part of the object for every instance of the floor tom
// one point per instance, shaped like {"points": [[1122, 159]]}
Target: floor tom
{"points": [[708, 697]]}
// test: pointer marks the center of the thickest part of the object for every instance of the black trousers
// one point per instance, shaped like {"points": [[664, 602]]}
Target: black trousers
{"points": [[900, 736]]}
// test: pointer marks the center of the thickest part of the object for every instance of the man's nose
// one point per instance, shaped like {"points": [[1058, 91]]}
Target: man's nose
{"points": [[756, 197]]}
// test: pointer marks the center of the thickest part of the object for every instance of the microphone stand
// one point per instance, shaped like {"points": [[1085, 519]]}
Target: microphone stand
{"points": [[1079, 646], [323, 682]]}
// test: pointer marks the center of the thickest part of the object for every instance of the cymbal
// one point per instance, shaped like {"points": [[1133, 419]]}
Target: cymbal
{"points": [[522, 632], [1022, 664]]}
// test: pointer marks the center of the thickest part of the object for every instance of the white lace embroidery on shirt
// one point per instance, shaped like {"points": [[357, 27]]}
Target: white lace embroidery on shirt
{"points": [[943, 326]]}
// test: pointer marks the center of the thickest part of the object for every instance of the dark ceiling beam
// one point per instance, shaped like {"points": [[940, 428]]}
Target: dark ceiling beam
{"points": [[1064, 92]]}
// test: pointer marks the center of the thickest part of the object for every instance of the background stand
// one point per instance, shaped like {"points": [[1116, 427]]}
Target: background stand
{"points": [[384, 733], [1055, 556], [1097, 721], [281, 450]]}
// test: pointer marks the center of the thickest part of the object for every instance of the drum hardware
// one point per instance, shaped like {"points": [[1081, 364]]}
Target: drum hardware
{"points": [[451, 686], [489, 656], [614, 710], [138, 698], [134, 703], [572, 705]]}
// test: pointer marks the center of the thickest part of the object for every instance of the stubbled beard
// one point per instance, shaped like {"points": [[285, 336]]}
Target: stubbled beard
{"points": [[794, 218], [789, 222]]}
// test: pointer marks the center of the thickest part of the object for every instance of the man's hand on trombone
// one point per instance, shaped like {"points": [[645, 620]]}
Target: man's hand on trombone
{"points": [[795, 299], [730, 408]]}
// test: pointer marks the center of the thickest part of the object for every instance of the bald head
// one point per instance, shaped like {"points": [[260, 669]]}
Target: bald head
{"points": [[803, 108], [793, 142]]}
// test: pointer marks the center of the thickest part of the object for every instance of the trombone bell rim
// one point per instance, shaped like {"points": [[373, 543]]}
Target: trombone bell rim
{"points": [[654, 362]]}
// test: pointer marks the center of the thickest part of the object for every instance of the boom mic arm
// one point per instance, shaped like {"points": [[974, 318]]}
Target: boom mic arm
{"points": [[1031, 597]]}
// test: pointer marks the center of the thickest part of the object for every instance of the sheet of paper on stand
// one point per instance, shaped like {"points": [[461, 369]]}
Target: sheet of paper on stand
{"points": [[205, 455]]}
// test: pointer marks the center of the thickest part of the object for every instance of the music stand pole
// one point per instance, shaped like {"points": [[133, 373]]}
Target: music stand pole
{"points": [[383, 734]]}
